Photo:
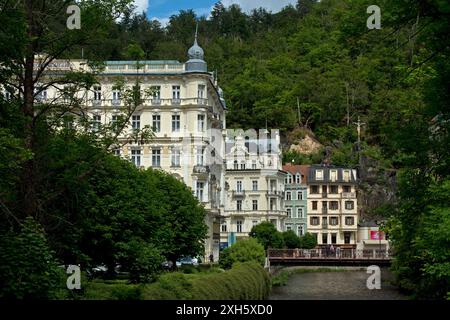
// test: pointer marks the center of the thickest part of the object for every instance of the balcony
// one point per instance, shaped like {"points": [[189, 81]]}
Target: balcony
{"points": [[200, 169], [96, 103], [273, 193], [348, 195], [238, 193], [156, 102], [176, 101]]}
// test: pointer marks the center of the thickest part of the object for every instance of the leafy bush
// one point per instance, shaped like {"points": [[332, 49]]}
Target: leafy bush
{"points": [[242, 251], [28, 269], [308, 241], [267, 235], [246, 280], [291, 240], [142, 260]]}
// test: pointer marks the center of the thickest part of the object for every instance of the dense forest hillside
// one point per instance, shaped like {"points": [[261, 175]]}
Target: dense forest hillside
{"points": [[316, 67], [311, 69]]}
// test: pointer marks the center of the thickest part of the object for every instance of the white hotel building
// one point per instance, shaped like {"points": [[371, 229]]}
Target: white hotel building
{"points": [[186, 113]]}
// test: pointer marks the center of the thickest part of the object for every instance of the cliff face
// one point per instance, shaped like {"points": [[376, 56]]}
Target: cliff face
{"points": [[303, 141]]}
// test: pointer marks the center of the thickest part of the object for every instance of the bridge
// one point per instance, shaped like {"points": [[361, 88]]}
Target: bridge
{"points": [[326, 257]]}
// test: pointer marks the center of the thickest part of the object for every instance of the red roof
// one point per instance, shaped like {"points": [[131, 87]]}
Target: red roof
{"points": [[295, 168]]}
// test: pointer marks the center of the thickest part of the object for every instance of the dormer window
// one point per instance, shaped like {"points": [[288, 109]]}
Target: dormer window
{"points": [[333, 175], [346, 175], [298, 178], [319, 174]]}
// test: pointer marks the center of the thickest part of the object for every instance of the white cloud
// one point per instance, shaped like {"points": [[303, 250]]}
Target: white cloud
{"points": [[164, 21], [269, 5], [141, 5]]}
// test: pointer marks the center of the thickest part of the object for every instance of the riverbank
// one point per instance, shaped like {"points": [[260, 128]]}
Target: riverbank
{"points": [[331, 283]]}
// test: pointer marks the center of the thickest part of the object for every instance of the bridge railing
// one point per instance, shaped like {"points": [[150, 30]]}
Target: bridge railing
{"points": [[328, 254]]}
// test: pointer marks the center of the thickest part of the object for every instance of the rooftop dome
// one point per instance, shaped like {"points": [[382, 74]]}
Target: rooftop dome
{"points": [[195, 55]]}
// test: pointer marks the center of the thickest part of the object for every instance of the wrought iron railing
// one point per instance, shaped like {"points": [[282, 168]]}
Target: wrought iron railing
{"points": [[328, 253]]}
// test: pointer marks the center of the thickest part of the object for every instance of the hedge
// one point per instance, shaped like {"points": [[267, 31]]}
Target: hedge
{"points": [[245, 281]]}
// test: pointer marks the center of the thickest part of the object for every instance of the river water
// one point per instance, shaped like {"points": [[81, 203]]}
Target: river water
{"points": [[342, 285]]}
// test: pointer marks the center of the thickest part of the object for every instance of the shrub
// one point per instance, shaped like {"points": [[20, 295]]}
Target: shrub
{"points": [[28, 269], [291, 240], [242, 251], [308, 241], [267, 235], [246, 280], [142, 260]]}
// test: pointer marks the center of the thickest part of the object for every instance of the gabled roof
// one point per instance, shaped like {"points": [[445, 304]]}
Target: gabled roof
{"points": [[297, 168]]}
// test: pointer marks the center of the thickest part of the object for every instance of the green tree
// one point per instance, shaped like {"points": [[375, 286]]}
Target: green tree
{"points": [[29, 269], [242, 251], [308, 241], [266, 233], [291, 240]]}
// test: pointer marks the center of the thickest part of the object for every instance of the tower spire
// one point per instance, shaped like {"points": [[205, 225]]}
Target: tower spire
{"points": [[196, 31]]}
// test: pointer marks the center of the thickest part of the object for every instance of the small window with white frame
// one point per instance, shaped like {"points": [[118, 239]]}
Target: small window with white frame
{"points": [[319, 174]]}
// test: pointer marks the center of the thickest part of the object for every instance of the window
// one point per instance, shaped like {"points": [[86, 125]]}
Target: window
{"points": [[289, 212], [156, 94], [175, 157], [116, 152], [242, 165], [156, 124], [115, 96], [333, 221], [255, 205], [300, 230], [314, 189], [314, 205], [96, 121], [254, 223], [200, 151], [239, 205], [199, 190], [346, 175], [349, 205], [176, 123], [156, 158], [253, 164], [334, 205], [299, 195], [136, 157], [319, 174], [289, 178], [239, 226], [349, 221], [288, 195], [324, 190], [333, 238], [314, 221], [324, 222], [333, 175], [324, 238], [288, 227], [255, 185], [224, 227], [239, 186], [97, 93], [346, 189], [136, 122], [41, 94], [300, 213], [201, 91], [176, 94], [114, 119], [334, 189], [298, 178], [200, 123], [235, 165], [273, 204]]}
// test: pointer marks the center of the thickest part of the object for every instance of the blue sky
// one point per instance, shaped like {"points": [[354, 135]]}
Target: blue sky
{"points": [[163, 9]]}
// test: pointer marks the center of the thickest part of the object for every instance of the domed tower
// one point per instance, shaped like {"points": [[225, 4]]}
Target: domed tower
{"points": [[195, 55]]}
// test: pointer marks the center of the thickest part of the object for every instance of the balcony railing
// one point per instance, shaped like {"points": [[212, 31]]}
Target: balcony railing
{"points": [[238, 193], [324, 225], [277, 193], [200, 169], [348, 195]]}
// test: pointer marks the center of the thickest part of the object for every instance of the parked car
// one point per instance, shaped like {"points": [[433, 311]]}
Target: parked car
{"points": [[167, 265], [187, 261]]}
